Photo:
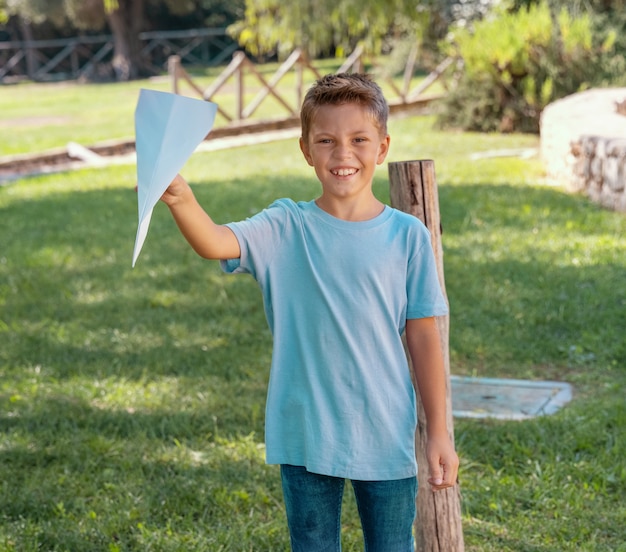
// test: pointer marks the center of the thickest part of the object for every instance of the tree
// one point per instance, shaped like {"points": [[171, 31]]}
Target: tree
{"points": [[126, 19], [323, 26]]}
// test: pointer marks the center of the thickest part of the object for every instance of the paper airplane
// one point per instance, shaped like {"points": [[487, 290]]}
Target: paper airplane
{"points": [[168, 128]]}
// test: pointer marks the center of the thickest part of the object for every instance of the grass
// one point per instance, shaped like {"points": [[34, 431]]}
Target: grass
{"points": [[131, 400]]}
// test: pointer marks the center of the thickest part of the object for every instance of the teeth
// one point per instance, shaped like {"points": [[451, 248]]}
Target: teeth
{"points": [[343, 172]]}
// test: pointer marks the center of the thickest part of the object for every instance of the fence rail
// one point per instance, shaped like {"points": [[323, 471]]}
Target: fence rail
{"points": [[403, 99], [79, 57]]}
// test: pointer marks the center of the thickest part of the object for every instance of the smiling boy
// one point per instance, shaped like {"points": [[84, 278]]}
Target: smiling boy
{"points": [[342, 278]]}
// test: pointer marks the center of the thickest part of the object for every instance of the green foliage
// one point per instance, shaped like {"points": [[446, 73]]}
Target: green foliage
{"points": [[37, 11], [271, 26], [326, 26], [4, 14], [92, 14], [110, 5], [515, 63], [613, 26], [577, 6]]}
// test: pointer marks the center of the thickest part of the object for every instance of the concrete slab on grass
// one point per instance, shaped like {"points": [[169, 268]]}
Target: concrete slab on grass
{"points": [[507, 399]]}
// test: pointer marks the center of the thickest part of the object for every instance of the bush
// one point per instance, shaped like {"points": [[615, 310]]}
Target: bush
{"points": [[515, 63]]}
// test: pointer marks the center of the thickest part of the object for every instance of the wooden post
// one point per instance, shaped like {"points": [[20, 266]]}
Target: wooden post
{"points": [[300, 81], [413, 189], [173, 63], [239, 79]]}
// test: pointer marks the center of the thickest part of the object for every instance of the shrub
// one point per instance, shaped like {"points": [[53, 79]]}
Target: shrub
{"points": [[515, 63]]}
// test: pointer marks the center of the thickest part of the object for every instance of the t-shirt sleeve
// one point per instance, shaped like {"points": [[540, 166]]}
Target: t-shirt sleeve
{"points": [[424, 295], [258, 238]]}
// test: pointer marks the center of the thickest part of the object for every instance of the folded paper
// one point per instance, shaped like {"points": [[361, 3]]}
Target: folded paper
{"points": [[168, 128]]}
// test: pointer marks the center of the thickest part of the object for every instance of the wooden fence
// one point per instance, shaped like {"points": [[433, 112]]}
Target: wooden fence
{"points": [[243, 120], [73, 58], [403, 98]]}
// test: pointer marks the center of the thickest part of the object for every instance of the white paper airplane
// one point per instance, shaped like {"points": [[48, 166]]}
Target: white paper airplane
{"points": [[168, 128]]}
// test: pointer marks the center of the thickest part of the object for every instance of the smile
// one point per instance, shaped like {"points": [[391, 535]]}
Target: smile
{"points": [[343, 172]]}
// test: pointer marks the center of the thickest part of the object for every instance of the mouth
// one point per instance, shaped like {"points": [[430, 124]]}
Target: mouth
{"points": [[343, 172]]}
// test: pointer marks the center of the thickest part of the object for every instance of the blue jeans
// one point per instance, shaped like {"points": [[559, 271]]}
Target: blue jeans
{"points": [[313, 504]]}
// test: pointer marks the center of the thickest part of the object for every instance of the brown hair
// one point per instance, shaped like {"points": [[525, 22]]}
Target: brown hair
{"points": [[335, 89]]}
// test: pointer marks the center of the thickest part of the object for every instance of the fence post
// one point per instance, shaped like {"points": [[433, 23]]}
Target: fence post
{"points": [[173, 63], [239, 83], [413, 189]]}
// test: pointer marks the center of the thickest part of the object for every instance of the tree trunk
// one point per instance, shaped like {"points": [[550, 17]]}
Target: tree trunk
{"points": [[126, 22], [413, 189], [31, 59]]}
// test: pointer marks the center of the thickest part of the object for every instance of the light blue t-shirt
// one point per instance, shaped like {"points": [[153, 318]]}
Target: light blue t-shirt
{"points": [[337, 295]]}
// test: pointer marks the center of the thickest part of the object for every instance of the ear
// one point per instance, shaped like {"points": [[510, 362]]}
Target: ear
{"points": [[383, 149], [304, 148]]}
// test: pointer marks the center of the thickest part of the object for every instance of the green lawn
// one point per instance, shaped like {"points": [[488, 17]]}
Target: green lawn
{"points": [[131, 400]]}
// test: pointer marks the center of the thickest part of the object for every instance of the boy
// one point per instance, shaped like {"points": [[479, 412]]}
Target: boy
{"points": [[342, 278]]}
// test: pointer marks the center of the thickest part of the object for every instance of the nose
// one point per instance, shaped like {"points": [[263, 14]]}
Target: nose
{"points": [[343, 150]]}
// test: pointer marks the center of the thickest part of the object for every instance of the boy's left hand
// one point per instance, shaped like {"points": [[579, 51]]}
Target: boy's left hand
{"points": [[443, 463]]}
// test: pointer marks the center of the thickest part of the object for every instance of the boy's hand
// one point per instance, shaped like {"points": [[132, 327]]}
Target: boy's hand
{"points": [[175, 191], [443, 463]]}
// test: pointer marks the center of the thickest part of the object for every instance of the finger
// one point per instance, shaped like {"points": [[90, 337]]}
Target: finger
{"points": [[435, 474], [448, 474]]}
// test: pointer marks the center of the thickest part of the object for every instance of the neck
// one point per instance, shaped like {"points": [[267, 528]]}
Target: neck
{"points": [[351, 211]]}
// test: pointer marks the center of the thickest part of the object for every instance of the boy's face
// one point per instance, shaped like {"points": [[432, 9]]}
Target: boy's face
{"points": [[344, 146]]}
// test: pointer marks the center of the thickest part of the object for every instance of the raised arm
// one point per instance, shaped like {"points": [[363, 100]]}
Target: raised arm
{"points": [[424, 345], [208, 239]]}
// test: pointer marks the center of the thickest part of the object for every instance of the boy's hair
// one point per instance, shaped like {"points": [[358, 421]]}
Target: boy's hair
{"points": [[342, 88]]}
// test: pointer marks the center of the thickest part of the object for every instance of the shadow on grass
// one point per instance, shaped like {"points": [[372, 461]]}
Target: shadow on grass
{"points": [[70, 295], [72, 304], [534, 278], [531, 273]]}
